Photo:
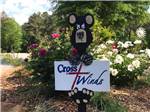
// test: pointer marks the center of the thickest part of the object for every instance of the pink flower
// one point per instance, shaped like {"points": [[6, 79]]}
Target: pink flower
{"points": [[42, 52], [115, 50], [74, 51], [55, 35], [33, 46]]}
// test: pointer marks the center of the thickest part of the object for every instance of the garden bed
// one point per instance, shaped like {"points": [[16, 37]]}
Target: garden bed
{"points": [[15, 91], [135, 100]]}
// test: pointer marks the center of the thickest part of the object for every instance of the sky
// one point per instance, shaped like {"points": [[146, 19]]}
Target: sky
{"points": [[21, 10]]}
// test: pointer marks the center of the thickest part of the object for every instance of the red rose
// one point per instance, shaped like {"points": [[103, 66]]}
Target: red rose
{"points": [[55, 35], [114, 46], [74, 51], [42, 52]]}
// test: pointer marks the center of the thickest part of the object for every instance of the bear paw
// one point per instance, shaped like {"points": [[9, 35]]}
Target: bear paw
{"points": [[81, 96], [87, 59], [74, 60]]}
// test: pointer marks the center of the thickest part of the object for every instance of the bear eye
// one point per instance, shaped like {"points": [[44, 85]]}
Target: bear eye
{"points": [[83, 26], [78, 26]]}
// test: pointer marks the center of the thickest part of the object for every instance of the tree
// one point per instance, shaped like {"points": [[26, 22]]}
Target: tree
{"points": [[11, 35], [37, 28], [62, 9], [124, 17], [121, 17]]}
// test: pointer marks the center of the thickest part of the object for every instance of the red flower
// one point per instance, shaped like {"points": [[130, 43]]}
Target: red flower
{"points": [[33, 46], [114, 46], [55, 35], [74, 51], [42, 52]]}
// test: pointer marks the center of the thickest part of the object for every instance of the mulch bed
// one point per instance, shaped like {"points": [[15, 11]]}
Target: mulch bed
{"points": [[135, 100]]}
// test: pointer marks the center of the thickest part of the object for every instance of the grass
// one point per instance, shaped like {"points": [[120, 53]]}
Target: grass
{"points": [[105, 103]]}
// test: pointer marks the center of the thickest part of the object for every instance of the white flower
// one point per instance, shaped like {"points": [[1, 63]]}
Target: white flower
{"points": [[131, 56], [137, 42], [136, 63], [130, 67], [142, 51], [110, 42], [119, 59], [120, 44], [109, 53], [147, 51], [103, 46], [131, 45], [114, 72], [127, 44], [98, 50]]}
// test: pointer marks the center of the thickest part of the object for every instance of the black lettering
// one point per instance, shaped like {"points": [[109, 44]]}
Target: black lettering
{"points": [[60, 68], [68, 69], [83, 79]]}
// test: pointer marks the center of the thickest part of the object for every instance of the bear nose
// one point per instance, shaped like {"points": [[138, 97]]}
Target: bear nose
{"points": [[80, 35]]}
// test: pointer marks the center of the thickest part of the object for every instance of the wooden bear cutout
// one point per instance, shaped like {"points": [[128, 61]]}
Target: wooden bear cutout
{"points": [[81, 37]]}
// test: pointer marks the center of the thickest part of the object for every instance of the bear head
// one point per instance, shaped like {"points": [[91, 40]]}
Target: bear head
{"points": [[81, 36]]}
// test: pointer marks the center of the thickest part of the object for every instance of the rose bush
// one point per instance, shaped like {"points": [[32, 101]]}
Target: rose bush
{"points": [[41, 62], [127, 59]]}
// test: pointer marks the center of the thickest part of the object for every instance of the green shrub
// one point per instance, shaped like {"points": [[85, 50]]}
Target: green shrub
{"points": [[9, 59], [105, 103], [43, 56]]}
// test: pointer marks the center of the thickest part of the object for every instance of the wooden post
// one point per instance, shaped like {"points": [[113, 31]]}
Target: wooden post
{"points": [[82, 107]]}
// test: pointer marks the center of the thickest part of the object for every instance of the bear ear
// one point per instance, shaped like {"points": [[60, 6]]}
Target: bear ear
{"points": [[89, 19], [72, 18]]}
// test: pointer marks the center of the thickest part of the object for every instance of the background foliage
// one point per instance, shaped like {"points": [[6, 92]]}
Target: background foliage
{"points": [[36, 29], [119, 24], [11, 35]]}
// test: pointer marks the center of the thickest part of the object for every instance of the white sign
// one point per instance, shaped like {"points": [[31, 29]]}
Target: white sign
{"points": [[95, 77]]}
